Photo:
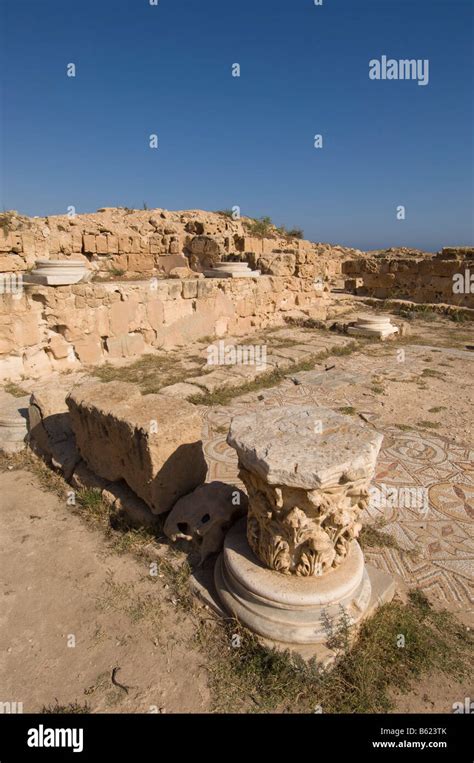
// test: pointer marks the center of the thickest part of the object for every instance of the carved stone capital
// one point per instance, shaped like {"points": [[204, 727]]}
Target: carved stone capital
{"points": [[307, 471]]}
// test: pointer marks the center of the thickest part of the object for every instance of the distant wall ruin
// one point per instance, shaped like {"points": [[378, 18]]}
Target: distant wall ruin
{"points": [[447, 278]]}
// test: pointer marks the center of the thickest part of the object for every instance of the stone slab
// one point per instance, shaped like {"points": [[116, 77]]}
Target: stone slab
{"points": [[334, 378], [181, 390], [303, 446]]}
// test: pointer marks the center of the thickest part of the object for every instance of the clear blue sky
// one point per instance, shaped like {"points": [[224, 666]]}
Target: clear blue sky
{"points": [[245, 141]]}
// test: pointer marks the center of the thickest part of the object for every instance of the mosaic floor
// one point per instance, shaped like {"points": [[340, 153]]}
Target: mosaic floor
{"points": [[437, 537]]}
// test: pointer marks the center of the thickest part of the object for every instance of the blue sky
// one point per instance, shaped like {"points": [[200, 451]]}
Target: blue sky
{"points": [[246, 141]]}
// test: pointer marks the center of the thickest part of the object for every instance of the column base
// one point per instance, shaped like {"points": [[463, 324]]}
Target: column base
{"points": [[296, 612]]}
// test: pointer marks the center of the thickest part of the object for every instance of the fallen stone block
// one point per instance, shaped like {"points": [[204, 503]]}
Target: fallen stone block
{"points": [[127, 507], [49, 427], [152, 442], [84, 478], [205, 515]]}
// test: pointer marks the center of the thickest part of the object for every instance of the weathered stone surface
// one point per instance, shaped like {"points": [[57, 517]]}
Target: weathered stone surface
{"points": [[205, 515], [49, 427], [304, 446], [307, 471], [153, 442], [293, 610], [181, 389], [36, 362], [13, 423], [128, 507]]}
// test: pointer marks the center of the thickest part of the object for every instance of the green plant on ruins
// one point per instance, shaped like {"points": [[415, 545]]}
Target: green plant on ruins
{"points": [[295, 233], [261, 227], [5, 222], [246, 676]]}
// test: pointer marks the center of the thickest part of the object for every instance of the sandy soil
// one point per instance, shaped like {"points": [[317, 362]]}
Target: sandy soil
{"points": [[59, 578]]}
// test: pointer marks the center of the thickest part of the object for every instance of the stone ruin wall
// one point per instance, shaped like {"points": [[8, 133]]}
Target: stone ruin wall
{"points": [[46, 328], [140, 244], [114, 317], [422, 280]]}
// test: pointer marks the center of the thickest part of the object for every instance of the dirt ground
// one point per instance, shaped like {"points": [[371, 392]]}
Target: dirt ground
{"points": [[60, 579], [76, 615]]}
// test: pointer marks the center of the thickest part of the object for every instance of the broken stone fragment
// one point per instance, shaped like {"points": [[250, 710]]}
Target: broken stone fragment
{"points": [[205, 515], [152, 442], [49, 426]]}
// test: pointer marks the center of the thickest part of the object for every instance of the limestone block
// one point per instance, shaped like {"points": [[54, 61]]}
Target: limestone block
{"points": [[7, 344], [205, 288], [155, 244], [65, 243], [252, 244], [101, 245], [124, 244], [126, 345], [89, 350], [173, 311], [155, 313], [28, 240], [168, 262], [12, 242], [121, 315], [101, 321], [190, 289], [221, 326], [58, 346], [88, 243], [11, 263], [380, 281], [112, 243], [76, 242], [135, 247], [175, 289], [11, 367], [305, 271], [27, 330], [402, 266], [36, 363], [277, 264], [49, 428], [140, 262], [152, 442], [268, 245], [144, 245]]}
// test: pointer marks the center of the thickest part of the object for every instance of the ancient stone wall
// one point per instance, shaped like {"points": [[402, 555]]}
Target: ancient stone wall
{"points": [[447, 278], [142, 243], [43, 328]]}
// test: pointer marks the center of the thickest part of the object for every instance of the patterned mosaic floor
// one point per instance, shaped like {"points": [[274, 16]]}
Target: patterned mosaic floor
{"points": [[435, 530]]}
